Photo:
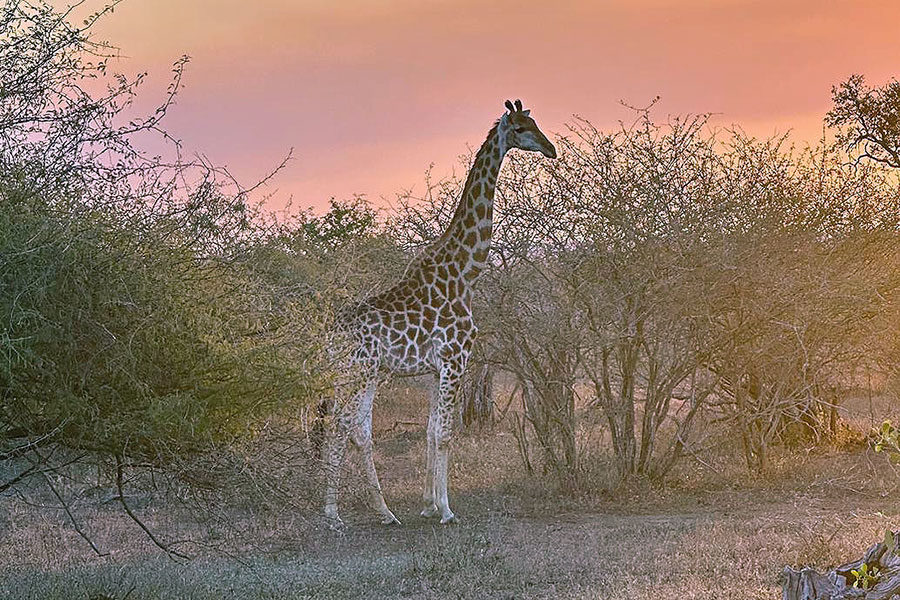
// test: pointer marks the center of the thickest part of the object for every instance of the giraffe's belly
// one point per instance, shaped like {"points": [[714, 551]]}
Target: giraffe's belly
{"points": [[408, 360]]}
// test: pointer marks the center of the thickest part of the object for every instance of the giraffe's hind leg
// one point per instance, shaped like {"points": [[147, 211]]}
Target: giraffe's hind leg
{"points": [[363, 440], [333, 458], [345, 421], [362, 437]]}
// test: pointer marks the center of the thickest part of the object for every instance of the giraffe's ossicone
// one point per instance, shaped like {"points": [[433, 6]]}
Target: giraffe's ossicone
{"points": [[423, 324]]}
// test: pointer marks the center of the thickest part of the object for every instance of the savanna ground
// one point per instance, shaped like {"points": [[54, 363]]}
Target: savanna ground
{"points": [[710, 531]]}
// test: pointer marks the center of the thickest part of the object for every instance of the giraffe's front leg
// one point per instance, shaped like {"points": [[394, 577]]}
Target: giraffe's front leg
{"points": [[430, 509], [443, 433]]}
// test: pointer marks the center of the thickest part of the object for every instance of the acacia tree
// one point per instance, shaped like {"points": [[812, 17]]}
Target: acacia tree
{"points": [[534, 335], [807, 275], [640, 196], [799, 319], [867, 119], [575, 294]]}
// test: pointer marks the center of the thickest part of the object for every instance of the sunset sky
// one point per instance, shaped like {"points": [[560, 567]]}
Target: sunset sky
{"points": [[369, 93]]}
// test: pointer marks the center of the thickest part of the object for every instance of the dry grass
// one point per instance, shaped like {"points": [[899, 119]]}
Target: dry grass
{"points": [[710, 532]]}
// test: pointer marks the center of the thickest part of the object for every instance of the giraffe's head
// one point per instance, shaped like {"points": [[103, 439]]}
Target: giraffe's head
{"points": [[520, 131]]}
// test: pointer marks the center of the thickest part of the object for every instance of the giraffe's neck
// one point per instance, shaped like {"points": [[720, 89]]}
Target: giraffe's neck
{"points": [[467, 240]]}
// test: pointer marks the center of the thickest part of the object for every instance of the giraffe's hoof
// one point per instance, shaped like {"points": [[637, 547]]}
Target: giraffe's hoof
{"points": [[449, 519], [429, 511]]}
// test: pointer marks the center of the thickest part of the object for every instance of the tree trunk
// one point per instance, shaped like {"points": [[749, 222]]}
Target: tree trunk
{"points": [[476, 405], [838, 584]]}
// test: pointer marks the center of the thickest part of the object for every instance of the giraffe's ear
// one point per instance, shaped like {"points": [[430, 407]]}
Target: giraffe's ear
{"points": [[518, 105], [509, 106], [526, 112]]}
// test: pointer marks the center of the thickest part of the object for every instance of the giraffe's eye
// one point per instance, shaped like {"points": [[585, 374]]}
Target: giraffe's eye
{"points": [[520, 130]]}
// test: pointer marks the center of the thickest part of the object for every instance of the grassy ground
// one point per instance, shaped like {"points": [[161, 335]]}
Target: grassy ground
{"points": [[710, 532]]}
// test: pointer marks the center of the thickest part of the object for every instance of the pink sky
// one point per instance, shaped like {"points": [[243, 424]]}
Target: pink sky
{"points": [[369, 93]]}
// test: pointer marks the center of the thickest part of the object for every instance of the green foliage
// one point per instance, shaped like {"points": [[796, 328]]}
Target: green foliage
{"points": [[336, 257], [890, 542], [344, 223], [135, 343], [887, 439], [138, 313], [865, 577]]}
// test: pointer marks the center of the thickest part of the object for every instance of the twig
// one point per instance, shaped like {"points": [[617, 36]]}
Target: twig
{"points": [[29, 471], [512, 396], [398, 423], [75, 524], [23, 448], [165, 548]]}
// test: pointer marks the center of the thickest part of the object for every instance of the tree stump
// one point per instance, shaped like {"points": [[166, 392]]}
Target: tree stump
{"points": [[837, 584]]}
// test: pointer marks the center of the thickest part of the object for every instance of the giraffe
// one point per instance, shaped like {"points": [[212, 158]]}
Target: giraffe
{"points": [[423, 325]]}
